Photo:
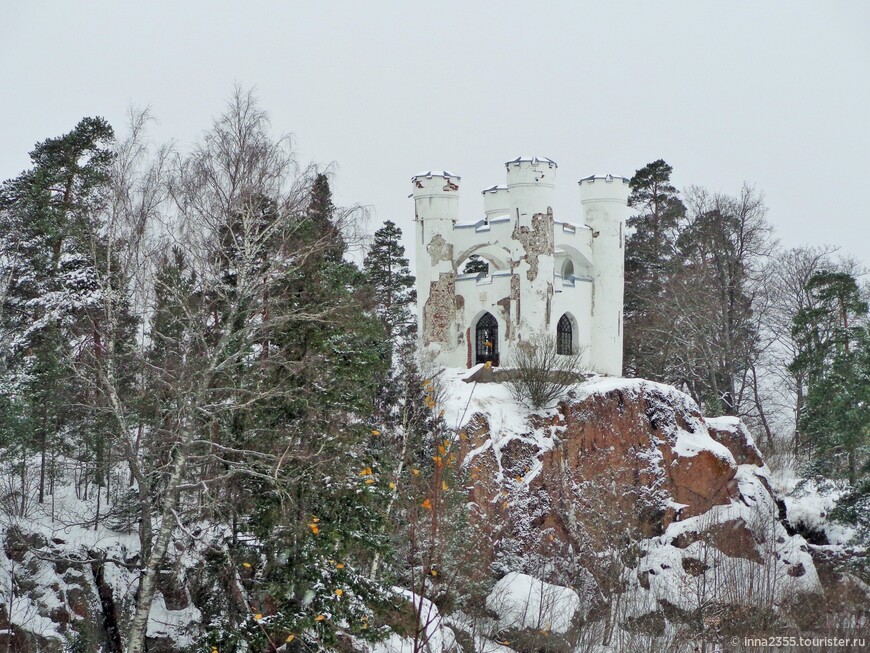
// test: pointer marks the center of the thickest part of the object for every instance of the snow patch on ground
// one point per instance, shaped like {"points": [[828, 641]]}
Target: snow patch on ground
{"points": [[436, 636], [523, 602], [809, 504], [179, 626]]}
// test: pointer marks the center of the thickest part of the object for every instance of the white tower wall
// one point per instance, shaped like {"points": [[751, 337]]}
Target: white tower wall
{"points": [[531, 183], [496, 201], [436, 207], [605, 208]]}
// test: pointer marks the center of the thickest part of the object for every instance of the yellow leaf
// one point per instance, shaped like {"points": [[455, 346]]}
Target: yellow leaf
{"points": [[339, 592], [314, 528], [427, 504], [258, 617], [518, 479], [319, 617], [392, 485], [340, 565], [444, 486], [442, 449], [315, 519], [415, 472], [290, 638], [369, 481], [366, 472], [246, 565], [463, 435], [434, 572], [375, 432]]}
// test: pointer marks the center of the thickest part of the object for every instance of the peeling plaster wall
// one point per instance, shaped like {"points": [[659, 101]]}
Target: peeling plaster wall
{"points": [[439, 250], [536, 242], [439, 311]]}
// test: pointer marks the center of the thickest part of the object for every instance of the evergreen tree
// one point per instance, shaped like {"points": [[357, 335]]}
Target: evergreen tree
{"points": [[476, 264], [387, 271], [835, 357], [322, 219], [51, 254], [650, 253]]}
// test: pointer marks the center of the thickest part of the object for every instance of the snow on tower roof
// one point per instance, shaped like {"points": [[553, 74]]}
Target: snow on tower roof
{"points": [[532, 159], [607, 177], [493, 189], [436, 173]]}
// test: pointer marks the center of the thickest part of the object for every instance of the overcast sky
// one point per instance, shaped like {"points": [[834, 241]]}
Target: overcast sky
{"points": [[776, 94]]}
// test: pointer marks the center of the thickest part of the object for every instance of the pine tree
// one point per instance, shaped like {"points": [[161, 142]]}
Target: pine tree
{"points": [[650, 253], [322, 219], [386, 268], [51, 253], [475, 265], [835, 356]]}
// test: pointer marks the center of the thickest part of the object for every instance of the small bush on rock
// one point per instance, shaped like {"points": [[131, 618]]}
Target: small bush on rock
{"points": [[540, 375]]}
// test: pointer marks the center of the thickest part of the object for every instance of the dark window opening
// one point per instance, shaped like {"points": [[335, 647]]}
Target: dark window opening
{"points": [[486, 340], [564, 336]]}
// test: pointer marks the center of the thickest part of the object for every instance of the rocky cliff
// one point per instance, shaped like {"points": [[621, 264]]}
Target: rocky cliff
{"points": [[625, 487]]}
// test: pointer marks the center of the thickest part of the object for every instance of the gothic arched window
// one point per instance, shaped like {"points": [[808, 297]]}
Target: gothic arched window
{"points": [[565, 336], [486, 340]]}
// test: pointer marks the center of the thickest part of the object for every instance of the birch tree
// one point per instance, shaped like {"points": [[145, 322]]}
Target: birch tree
{"points": [[244, 313]]}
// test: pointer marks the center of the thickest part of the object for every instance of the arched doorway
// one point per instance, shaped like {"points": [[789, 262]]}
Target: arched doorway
{"points": [[486, 340], [565, 336]]}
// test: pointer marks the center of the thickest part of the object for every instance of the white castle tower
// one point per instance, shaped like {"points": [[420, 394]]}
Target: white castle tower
{"points": [[546, 276]]}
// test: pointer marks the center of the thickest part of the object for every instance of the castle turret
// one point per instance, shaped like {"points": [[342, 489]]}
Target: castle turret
{"points": [[531, 185], [436, 209], [605, 208], [496, 201]]}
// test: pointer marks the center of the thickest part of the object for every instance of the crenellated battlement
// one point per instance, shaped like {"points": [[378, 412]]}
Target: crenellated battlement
{"points": [[602, 188]]}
